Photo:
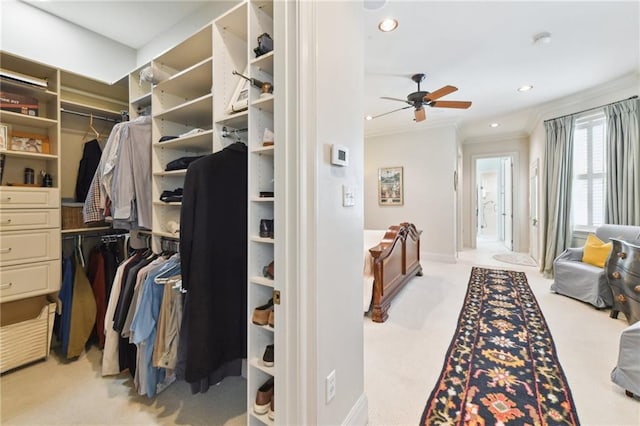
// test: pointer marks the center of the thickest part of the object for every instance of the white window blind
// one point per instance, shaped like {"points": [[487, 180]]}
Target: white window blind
{"points": [[589, 163]]}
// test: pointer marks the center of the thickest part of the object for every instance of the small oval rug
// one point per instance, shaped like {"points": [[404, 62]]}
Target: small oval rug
{"points": [[523, 259]]}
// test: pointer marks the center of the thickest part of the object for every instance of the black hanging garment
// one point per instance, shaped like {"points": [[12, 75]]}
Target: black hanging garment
{"points": [[213, 252], [88, 165]]}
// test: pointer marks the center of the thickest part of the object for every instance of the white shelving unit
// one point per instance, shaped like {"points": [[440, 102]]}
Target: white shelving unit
{"points": [[181, 102]]}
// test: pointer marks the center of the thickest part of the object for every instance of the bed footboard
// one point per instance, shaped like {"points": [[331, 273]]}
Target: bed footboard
{"points": [[396, 259]]}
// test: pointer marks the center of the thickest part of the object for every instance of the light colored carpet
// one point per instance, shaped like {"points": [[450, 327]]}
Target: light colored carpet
{"points": [[514, 258]]}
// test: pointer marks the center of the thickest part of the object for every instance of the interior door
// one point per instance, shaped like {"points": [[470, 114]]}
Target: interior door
{"points": [[507, 198], [533, 210]]}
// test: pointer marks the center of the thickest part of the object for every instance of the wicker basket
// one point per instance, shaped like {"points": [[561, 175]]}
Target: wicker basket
{"points": [[72, 217], [25, 333]]}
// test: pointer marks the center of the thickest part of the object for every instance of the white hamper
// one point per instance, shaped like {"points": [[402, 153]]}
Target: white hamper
{"points": [[25, 331]]}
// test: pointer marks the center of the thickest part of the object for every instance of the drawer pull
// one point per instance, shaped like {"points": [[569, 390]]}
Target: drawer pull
{"points": [[622, 255], [616, 275], [6, 222], [5, 286], [5, 200], [620, 298], [7, 250]]}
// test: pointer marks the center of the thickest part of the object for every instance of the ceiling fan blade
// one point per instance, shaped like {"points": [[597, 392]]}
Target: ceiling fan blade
{"points": [[420, 115], [395, 99], [443, 91], [395, 110], [451, 104]]}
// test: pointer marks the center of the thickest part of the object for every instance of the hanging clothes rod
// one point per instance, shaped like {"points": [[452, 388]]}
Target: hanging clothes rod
{"points": [[84, 114], [95, 234]]}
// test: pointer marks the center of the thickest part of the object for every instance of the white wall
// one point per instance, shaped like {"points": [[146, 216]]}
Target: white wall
{"points": [[499, 146], [183, 29], [36, 35], [429, 159], [613, 91]]}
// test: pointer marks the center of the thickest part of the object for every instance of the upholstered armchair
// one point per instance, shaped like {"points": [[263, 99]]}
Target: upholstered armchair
{"points": [[626, 374], [584, 281]]}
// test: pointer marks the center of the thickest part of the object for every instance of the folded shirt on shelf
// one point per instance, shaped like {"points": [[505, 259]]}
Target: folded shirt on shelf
{"points": [[181, 163], [174, 196]]}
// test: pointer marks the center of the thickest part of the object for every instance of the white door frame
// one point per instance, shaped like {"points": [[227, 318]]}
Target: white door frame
{"points": [[515, 199]]}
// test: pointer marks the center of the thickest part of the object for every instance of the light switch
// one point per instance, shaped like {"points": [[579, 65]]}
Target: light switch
{"points": [[348, 197]]}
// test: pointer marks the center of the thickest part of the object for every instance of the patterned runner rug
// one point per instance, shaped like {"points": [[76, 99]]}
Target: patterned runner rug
{"points": [[501, 367]]}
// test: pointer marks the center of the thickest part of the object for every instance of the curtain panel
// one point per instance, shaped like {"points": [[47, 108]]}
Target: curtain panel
{"points": [[558, 172], [623, 163]]}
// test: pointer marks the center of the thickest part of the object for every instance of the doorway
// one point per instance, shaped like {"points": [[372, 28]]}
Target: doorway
{"points": [[494, 200]]}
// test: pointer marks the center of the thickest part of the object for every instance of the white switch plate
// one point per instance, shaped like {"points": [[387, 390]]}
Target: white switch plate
{"points": [[348, 197], [331, 386]]}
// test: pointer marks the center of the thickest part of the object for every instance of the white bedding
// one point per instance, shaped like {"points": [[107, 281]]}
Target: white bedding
{"points": [[372, 237]]}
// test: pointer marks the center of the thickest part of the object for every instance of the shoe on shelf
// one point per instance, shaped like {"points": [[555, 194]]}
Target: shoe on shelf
{"points": [[267, 357], [261, 313], [268, 271], [271, 319], [272, 412], [263, 397]]}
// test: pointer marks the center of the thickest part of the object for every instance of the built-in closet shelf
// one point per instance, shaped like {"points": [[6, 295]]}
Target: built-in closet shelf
{"points": [[263, 199], [235, 121], [257, 363], [264, 327], [195, 113], [198, 142], [27, 120], [143, 100], [89, 230], [265, 103], [263, 418], [162, 203], [265, 5], [182, 172], [191, 51], [262, 240], [165, 235], [195, 79], [264, 62], [262, 281], [266, 150], [235, 21], [32, 155]]}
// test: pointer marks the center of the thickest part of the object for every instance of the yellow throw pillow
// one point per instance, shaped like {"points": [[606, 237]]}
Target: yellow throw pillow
{"points": [[596, 251]]}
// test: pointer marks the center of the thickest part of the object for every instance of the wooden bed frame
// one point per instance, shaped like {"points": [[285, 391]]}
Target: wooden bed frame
{"points": [[396, 259]]}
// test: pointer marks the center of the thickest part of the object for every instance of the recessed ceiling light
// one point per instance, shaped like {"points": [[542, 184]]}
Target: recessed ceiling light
{"points": [[494, 125], [388, 24], [542, 38], [368, 117], [525, 88]]}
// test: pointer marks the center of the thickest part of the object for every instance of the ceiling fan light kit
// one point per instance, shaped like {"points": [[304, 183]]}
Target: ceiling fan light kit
{"points": [[420, 98]]}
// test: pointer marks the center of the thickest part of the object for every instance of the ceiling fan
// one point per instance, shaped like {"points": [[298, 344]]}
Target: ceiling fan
{"points": [[419, 99]]}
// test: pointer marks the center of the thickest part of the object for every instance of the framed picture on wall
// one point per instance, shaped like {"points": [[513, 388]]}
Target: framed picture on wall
{"points": [[390, 186]]}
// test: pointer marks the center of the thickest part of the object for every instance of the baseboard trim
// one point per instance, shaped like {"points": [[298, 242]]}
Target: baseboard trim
{"points": [[444, 258], [359, 414]]}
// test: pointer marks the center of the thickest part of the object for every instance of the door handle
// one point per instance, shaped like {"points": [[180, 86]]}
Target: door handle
{"points": [[6, 222], [535, 222], [7, 250], [5, 286], [5, 200]]}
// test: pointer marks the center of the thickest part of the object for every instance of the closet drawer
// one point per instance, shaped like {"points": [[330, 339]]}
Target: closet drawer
{"points": [[27, 280], [17, 247], [21, 198], [29, 219]]}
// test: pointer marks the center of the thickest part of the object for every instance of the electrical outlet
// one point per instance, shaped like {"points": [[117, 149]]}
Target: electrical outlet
{"points": [[331, 386]]}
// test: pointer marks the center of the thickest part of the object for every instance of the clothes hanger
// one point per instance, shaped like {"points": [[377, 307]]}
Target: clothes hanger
{"points": [[91, 129]]}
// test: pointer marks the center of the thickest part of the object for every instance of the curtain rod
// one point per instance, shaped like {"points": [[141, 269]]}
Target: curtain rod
{"points": [[84, 114], [591, 109]]}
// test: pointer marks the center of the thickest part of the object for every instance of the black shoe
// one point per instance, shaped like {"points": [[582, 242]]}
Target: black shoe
{"points": [[267, 358], [268, 271]]}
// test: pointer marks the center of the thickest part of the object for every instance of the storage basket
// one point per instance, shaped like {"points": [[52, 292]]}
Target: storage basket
{"points": [[25, 331], [72, 217]]}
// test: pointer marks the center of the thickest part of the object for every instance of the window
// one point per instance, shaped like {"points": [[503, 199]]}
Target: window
{"points": [[589, 186]]}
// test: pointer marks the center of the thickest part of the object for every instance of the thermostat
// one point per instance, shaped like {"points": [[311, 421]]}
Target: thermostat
{"points": [[339, 155]]}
